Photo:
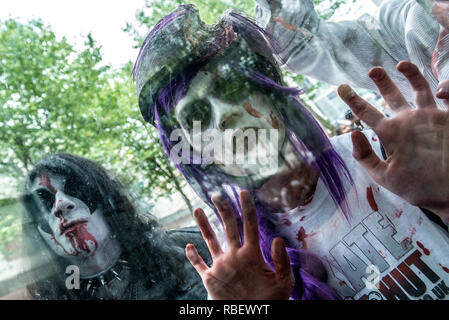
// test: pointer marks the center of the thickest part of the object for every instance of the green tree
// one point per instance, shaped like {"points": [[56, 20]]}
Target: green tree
{"points": [[58, 100], [47, 93]]}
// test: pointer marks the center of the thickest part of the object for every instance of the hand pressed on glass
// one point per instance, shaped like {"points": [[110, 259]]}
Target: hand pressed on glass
{"points": [[416, 141], [241, 272]]}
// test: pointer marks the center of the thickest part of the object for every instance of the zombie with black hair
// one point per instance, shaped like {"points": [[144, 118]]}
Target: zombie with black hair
{"points": [[78, 215], [344, 51], [216, 96]]}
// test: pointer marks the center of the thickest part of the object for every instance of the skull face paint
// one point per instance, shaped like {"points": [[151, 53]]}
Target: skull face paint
{"points": [[65, 222], [237, 106], [221, 99]]}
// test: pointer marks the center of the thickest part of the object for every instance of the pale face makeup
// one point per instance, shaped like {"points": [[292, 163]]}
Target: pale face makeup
{"points": [[222, 109], [240, 106], [70, 229]]}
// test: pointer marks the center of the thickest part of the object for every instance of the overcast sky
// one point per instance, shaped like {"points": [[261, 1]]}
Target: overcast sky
{"points": [[104, 18]]}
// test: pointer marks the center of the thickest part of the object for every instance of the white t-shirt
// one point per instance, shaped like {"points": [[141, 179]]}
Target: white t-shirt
{"points": [[388, 250]]}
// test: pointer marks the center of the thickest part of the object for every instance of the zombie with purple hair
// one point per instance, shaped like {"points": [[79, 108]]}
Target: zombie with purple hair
{"points": [[320, 227]]}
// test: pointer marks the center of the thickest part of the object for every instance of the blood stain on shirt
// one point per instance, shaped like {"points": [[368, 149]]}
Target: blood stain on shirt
{"points": [[444, 268], [424, 249], [412, 233], [420, 220], [406, 243], [286, 213], [302, 218], [374, 139], [370, 198], [342, 283], [307, 201], [287, 222], [390, 221], [302, 235], [335, 224], [382, 254], [398, 213]]}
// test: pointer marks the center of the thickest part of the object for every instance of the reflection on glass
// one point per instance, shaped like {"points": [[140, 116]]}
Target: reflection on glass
{"points": [[83, 227]]}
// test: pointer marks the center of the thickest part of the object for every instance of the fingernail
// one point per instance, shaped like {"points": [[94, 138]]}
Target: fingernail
{"points": [[376, 73], [246, 196], [215, 195], [189, 251], [407, 68], [218, 199], [281, 247], [196, 213], [442, 92], [346, 92]]}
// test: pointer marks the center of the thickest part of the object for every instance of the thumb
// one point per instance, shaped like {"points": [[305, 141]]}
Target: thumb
{"points": [[365, 155]]}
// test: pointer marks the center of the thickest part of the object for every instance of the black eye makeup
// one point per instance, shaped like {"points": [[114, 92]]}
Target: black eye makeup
{"points": [[78, 189], [232, 89], [46, 198], [198, 110]]}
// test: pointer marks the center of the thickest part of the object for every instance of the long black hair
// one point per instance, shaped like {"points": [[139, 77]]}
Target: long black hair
{"points": [[156, 259]]}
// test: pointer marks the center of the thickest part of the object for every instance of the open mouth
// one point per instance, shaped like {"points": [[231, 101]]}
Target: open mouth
{"points": [[71, 225]]}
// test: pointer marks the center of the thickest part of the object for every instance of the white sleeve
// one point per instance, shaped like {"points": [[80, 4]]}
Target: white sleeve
{"points": [[335, 52]]}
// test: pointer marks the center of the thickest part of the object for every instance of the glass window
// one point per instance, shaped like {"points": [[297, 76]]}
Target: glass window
{"points": [[111, 141]]}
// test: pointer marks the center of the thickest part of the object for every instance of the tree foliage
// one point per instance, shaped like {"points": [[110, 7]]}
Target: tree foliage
{"points": [[47, 94], [56, 99]]}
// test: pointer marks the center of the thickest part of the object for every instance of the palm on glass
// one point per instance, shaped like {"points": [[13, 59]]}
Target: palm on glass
{"points": [[415, 140], [241, 272]]}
